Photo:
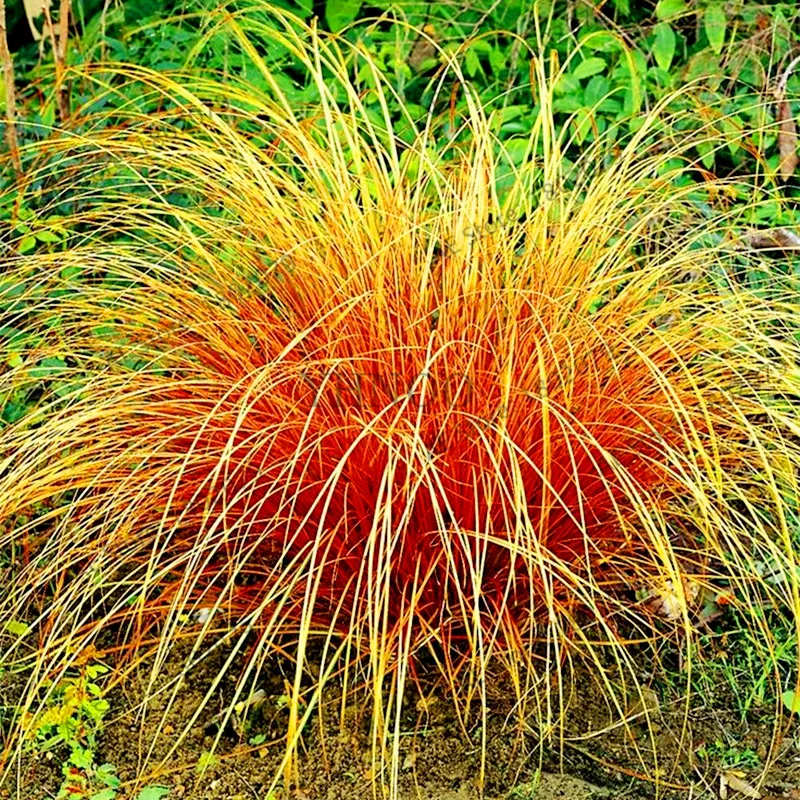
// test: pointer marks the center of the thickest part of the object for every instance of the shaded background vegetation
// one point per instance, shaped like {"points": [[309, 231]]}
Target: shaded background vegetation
{"points": [[614, 60]]}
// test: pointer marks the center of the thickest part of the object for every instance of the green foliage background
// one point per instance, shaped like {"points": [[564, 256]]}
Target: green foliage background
{"points": [[614, 61]]}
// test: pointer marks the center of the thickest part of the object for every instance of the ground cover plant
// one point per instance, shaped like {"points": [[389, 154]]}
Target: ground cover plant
{"points": [[397, 405]]}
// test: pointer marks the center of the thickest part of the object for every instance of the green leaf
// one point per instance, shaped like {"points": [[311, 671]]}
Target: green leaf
{"points": [[715, 21], [70, 272], [596, 304], [93, 670], [27, 244], [567, 85], [107, 774], [582, 122], [104, 794], [95, 709], [206, 761], [664, 45], [82, 758], [11, 335], [597, 91], [340, 13], [601, 41], [13, 411], [667, 9], [472, 64], [707, 154], [152, 793], [589, 67], [16, 628], [791, 700], [497, 59], [47, 367]]}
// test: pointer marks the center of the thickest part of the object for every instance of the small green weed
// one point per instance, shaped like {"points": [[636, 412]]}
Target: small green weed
{"points": [[525, 791], [728, 756], [71, 722]]}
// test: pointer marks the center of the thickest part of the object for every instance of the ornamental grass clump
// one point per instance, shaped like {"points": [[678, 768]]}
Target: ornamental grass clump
{"points": [[385, 405]]}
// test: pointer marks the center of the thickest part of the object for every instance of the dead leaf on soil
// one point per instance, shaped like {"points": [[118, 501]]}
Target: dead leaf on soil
{"points": [[732, 780], [255, 700], [667, 601], [643, 701]]}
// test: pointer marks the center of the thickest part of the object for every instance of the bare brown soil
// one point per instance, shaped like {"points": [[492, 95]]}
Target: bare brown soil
{"points": [[440, 758]]}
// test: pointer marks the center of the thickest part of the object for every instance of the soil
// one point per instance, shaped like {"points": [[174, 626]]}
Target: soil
{"points": [[439, 758]]}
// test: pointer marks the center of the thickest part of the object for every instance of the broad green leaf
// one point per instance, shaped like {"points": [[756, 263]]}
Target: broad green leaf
{"points": [[589, 67], [104, 794], [472, 64], [567, 85], [70, 272], [567, 104], [16, 628], [667, 9], [664, 45], [11, 335], [152, 793], [93, 670], [596, 304], [107, 774], [733, 128], [497, 59], [602, 42], [597, 90], [340, 13], [47, 367], [27, 244], [704, 64], [791, 700], [516, 149], [13, 411], [714, 21], [82, 758], [707, 154]]}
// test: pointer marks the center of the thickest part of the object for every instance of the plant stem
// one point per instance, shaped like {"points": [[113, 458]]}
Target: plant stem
{"points": [[8, 75], [61, 58], [59, 37]]}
